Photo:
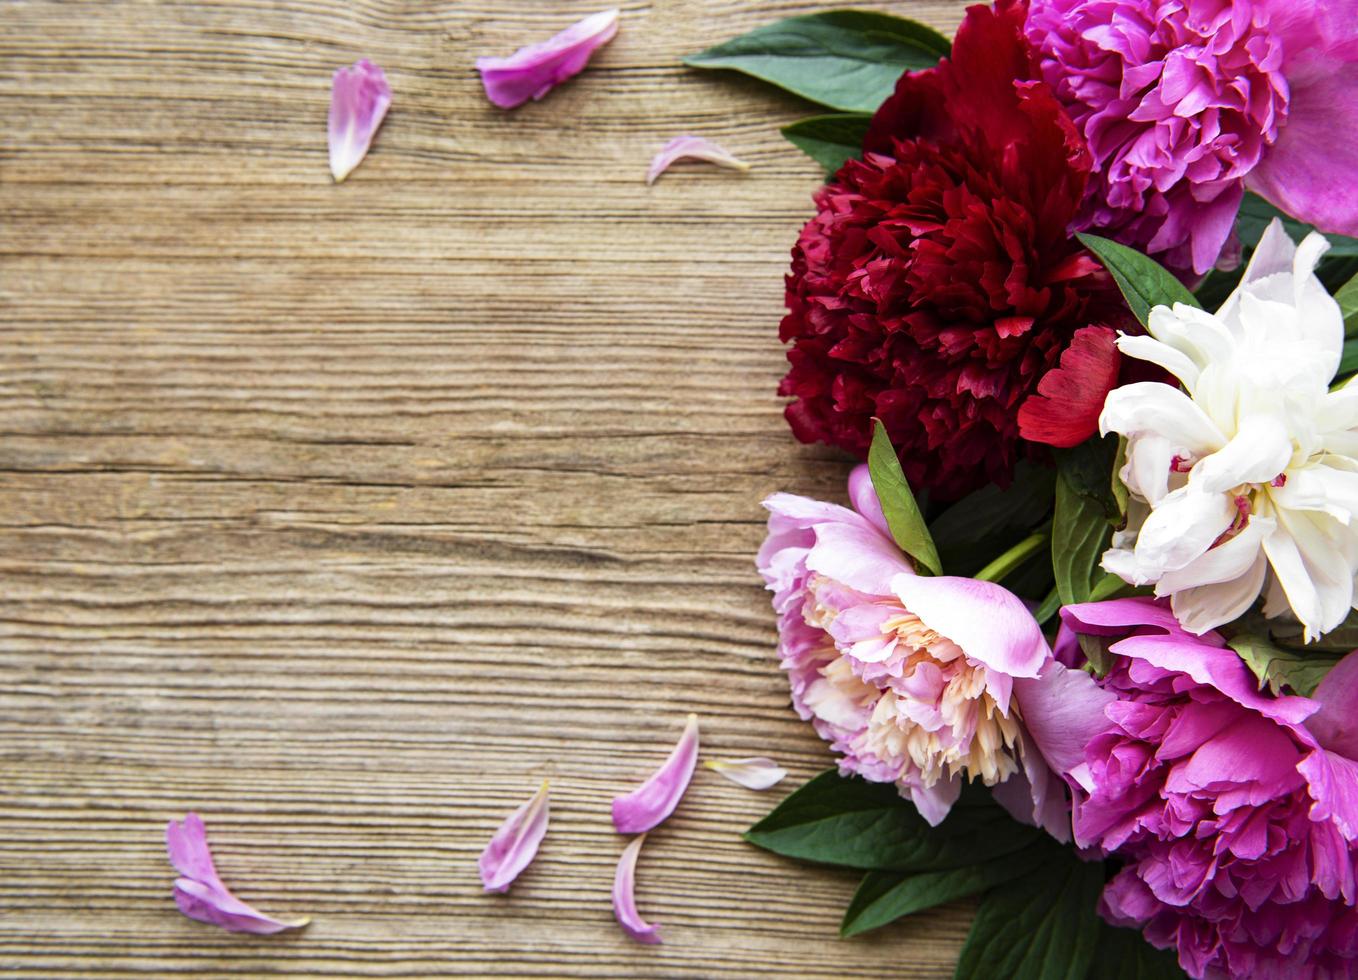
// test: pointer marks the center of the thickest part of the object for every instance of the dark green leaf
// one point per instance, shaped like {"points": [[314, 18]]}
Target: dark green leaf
{"points": [[1043, 926], [1276, 667], [856, 824], [844, 59], [885, 896], [1342, 639], [1095, 649], [1123, 954], [1144, 282], [1256, 213], [983, 524], [830, 140], [903, 516], [1080, 525], [1348, 360]]}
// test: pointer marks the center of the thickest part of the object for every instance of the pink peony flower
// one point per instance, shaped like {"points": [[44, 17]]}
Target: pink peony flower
{"points": [[1185, 102], [914, 680], [1236, 812]]}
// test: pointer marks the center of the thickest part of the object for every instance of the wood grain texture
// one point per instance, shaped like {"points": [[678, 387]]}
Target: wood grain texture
{"points": [[346, 514]]}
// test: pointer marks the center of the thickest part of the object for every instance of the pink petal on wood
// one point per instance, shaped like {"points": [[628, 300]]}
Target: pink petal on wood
{"points": [[624, 902], [533, 71], [516, 843], [648, 805], [199, 892], [691, 148], [758, 773], [359, 100]]}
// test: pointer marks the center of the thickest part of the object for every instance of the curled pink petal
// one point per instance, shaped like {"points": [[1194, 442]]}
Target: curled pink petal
{"points": [[757, 773], [648, 805], [533, 71], [359, 100], [624, 903], [691, 148], [198, 891], [516, 843]]}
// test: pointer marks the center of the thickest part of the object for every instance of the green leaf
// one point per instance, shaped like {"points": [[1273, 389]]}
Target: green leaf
{"points": [[1144, 282], [903, 516], [988, 521], [1348, 360], [885, 896], [1276, 667], [1256, 213], [830, 140], [853, 823], [844, 59], [1043, 926], [1123, 954], [1080, 525], [1347, 298]]}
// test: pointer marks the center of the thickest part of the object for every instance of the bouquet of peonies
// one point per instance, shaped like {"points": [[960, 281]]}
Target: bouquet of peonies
{"points": [[1078, 289]]}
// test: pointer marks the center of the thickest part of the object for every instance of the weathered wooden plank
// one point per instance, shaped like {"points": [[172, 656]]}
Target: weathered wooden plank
{"points": [[346, 514]]}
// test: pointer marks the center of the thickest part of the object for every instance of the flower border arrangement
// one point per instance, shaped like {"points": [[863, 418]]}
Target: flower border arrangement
{"points": [[1080, 289]]}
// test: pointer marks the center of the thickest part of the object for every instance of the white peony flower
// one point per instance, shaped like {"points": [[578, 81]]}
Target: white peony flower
{"points": [[1247, 480]]}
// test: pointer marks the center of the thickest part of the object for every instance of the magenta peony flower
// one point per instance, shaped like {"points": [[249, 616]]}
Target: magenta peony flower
{"points": [[1236, 812], [914, 680], [1186, 102]]}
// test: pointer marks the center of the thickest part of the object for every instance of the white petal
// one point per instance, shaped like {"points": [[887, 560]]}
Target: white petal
{"points": [[1148, 466], [1176, 362], [1183, 527], [1226, 562], [1259, 451], [1158, 409], [1295, 582], [1209, 606], [1201, 336], [757, 773], [1327, 552], [1320, 488]]}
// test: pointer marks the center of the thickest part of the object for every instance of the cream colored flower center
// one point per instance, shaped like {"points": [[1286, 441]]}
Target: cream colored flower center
{"points": [[948, 724]]}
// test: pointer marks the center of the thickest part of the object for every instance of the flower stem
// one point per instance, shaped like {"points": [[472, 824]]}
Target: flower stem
{"points": [[1014, 557]]}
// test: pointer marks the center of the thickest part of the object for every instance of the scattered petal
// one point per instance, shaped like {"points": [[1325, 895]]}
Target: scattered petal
{"points": [[516, 843], [756, 773], [691, 148], [533, 71], [648, 805], [359, 100], [200, 894], [624, 903]]}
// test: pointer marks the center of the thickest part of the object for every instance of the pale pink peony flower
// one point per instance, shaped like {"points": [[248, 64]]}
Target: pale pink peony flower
{"points": [[1184, 103], [916, 681]]}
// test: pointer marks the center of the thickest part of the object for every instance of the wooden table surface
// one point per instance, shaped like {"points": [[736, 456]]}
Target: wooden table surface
{"points": [[346, 514]]}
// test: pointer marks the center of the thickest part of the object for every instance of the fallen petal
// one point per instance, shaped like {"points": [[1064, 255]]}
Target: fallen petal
{"points": [[359, 100], [691, 148], [200, 894], [516, 843], [755, 773], [624, 903], [648, 805], [533, 71]]}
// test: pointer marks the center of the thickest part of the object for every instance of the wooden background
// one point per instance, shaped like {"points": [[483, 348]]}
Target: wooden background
{"points": [[345, 514]]}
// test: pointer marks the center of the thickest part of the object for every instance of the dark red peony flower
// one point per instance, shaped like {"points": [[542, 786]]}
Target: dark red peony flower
{"points": [[938, 283]]}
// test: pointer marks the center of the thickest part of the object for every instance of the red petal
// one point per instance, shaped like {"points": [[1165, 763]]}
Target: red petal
{"points": [[1065, 410]]}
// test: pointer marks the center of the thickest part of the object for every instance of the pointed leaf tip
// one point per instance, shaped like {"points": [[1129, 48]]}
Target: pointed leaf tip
{"points": [[653, 801], [899, 507]]}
